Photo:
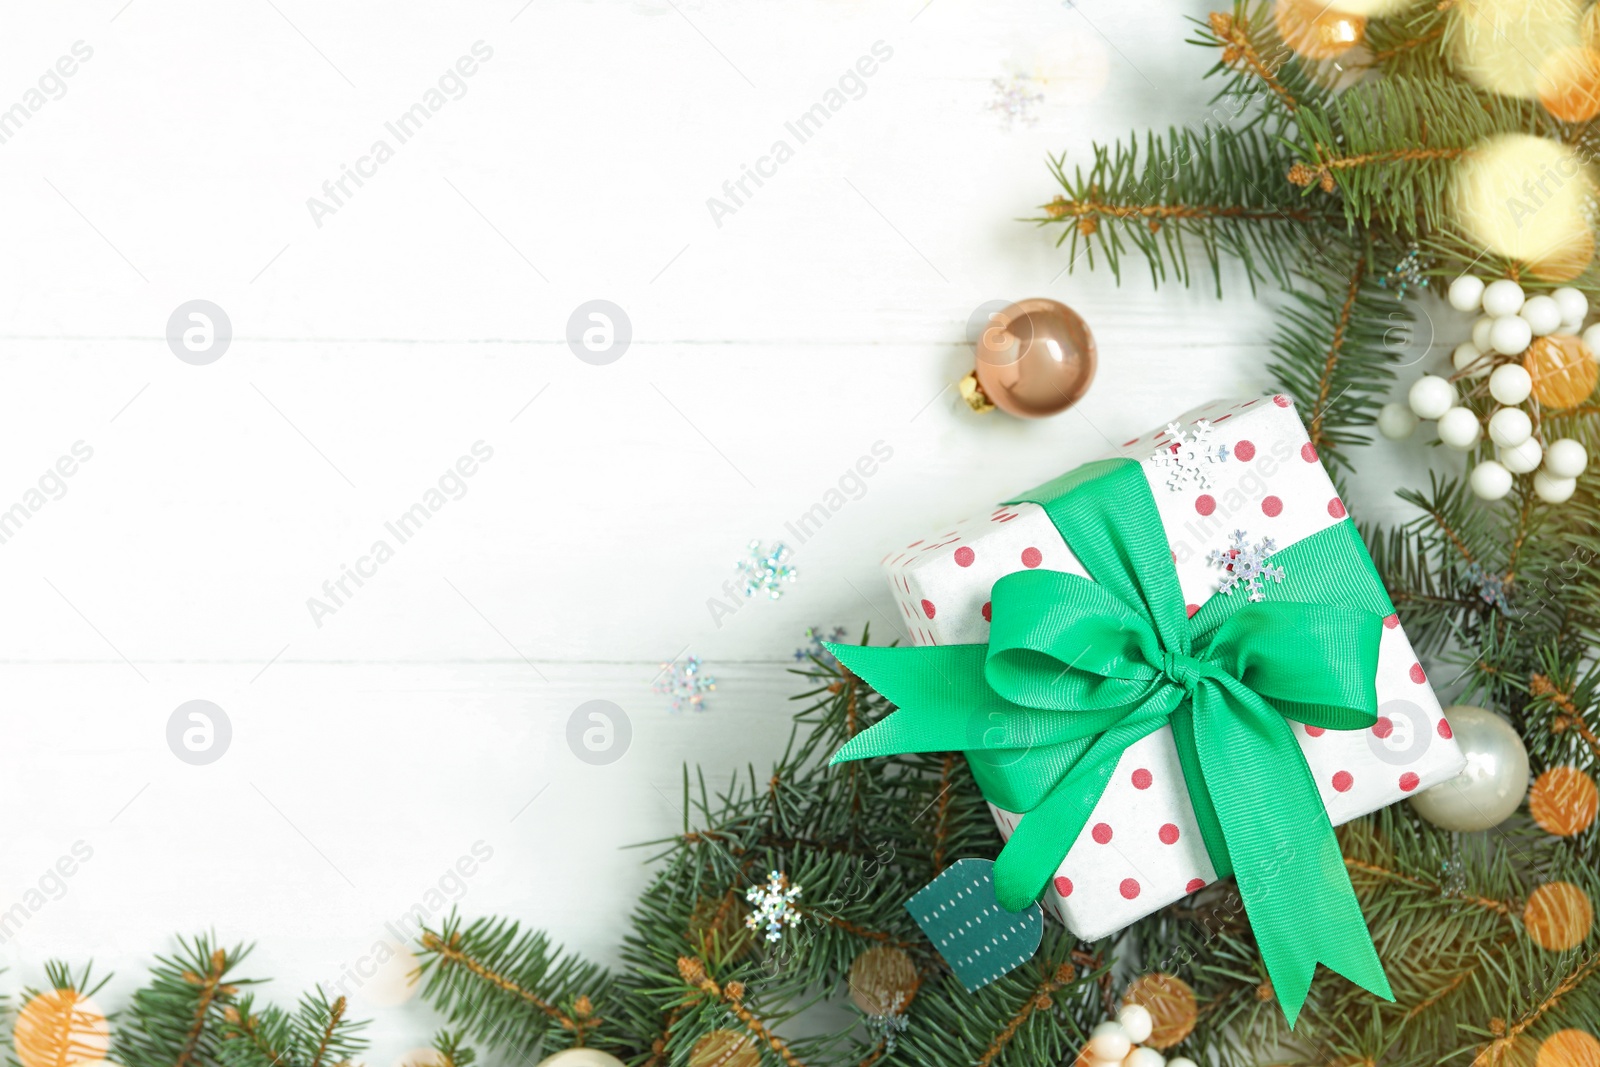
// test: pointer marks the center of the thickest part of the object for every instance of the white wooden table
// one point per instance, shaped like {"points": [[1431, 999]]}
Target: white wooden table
{"points": [[374, 344]]}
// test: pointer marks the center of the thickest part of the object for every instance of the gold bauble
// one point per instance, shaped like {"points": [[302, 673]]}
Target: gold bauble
{"points": [[1563, 372], [60, 1028], [1569, 1048], [581, 1057], [1497, 43], [1372, 8], [883, 981], [1558, 916], [1563, 801], [1568, 260], [1171, 1004], [1521, 196], [717, 928], [1315, 30], [725, 1048], [1569, 83]]}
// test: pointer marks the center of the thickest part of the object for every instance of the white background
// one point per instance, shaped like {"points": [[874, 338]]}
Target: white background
{"points": [[428, 313]]}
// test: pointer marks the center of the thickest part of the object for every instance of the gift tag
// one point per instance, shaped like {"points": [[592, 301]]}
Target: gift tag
{"points": [[975, 935]]}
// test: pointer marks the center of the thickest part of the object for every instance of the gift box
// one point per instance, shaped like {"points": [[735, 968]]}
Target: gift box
{"points": [[1228, 466]]}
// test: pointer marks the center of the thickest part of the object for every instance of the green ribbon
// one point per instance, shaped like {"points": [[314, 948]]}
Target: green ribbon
{"points": [[1075, 671]]}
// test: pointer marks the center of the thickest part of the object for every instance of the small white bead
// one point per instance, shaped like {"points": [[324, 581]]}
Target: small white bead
{"points": [[1510, 335], [1135, 1019], [1466, 293], [1591, 341], [1145, 1057], [1542, 313], [1568, 329], [1521, 459], [1510, 383], [1480, 332], [1553, 490], [1573, 304], [1489, 480], [1182, 1061], [1509, 427], [1396, 421], [1431, 396], [1503, 297], [1566, 458], [1109, 1041], [1467, 355], [1459, 428]]}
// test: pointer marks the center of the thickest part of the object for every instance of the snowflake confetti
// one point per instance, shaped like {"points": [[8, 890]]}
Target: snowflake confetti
{"points": [[766, 571], [775, 905], [1189, 457], [1409, 273], [816, 651], [1247, 565], [891, 1024], [1491, 587], [1016, 97], [686, 684]]}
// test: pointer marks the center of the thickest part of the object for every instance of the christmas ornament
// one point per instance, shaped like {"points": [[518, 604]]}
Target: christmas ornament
{"points": [[686, 684], [581, 1057], [717, 926], [775, 905], [1563, 801], [60, 1028], [1558, 916], [1172, 1006], [1497, 43], [1569, 1048], [1489, 200], [883, 982], [1315, 30], [1035, 358], [1189, 457], [1494, 781], [1561, 372], [765, 570], [725, 1048], [1569, 83], [1246, 564]]}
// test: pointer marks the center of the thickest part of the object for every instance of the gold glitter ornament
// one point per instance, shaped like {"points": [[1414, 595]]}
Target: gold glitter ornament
{"points": [[1315, 30], [1569, 83], [717, 926], [1564, 375], [60, 1028], [725, 1048], [1564, 801], [883, 980], [1558, 916], [1569, 1048], [1171, 1004]]}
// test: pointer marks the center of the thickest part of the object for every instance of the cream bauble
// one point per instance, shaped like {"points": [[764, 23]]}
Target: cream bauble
{"points": [[1553, 490], [1502, 297], [1459, 428], [1566, 458], [1509, 427], [1542, 314], [1396, 421], [1466, 293], [1492, 784], [1521, 459], [1510, 335], [1490, 480], [1510, 383], [1431, 396]]}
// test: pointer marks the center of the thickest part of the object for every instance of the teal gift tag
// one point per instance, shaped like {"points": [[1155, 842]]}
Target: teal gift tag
{"points": [[978, 938]]}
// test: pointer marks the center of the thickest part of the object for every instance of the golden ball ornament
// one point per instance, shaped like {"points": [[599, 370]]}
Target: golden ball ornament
{"points": [[725, 1048], [1570, 258], [717, 926], [1564, 375], [883, 980], [1492, 41], [581, 1057], [60, 1028], [1523, 197], [1569, 1048], [420, 1057], [1558, 916], [1171, 1004], [1564, 801], [1034, 358], [1316, 30], [1569, 83]]}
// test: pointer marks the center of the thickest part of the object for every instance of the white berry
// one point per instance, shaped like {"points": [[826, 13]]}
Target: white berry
{"points": [[1510, 383], [1553, 490], [1431, 396], [1591, 341], [1396, 421], [1109, 1041], [1509, 427], [1466, 292], [1459, 428], [1145, 1057], [1573, 304], [1470, 355], [1182, 1061], [1136, 1020], [1566, 458], [1568, 329], [1480, 332], [1503, 297], [1490, 480], [1523, 458], [1510, 334], [1542, 313]]}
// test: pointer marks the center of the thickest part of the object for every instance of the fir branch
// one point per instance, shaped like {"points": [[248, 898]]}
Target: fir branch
{"points": [[1061, 976], [694, 975], [1232, 33], [177, 1019]]}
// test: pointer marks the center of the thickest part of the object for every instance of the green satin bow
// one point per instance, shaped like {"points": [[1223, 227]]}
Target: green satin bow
{"points": [[1075, 671]]}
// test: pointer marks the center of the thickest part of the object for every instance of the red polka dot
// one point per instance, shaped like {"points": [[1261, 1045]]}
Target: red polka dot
{"points": [[1245, 450], [1127, 444], [1191, 609], [1444, 729], [1409, 781], [1142, 779], [1308, 452], [1195, 885], [1391, 622], [1418, 675], [1315, 731], [1343, 781], [1384, 726], [928, 609], [1063, 885], [1102, 832], [1272, 507], [1168, 834], [986, 612], [1336, 508], [965, 556], [1223, 418], [1129, 888], [1205, 503], [1032, 557], [1282, 401]]}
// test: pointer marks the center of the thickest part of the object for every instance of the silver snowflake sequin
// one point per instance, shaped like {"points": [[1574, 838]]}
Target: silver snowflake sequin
{"points": [[815, 651], [775, 905], [1188, 458], [1491, 587], [686, 684], [1247, 565], [1016, 97], [764, 571], [891, 1024]]}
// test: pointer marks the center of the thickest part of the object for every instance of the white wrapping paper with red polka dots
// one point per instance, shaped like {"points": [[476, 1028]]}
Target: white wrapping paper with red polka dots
{"points": [[1142, 848]]}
